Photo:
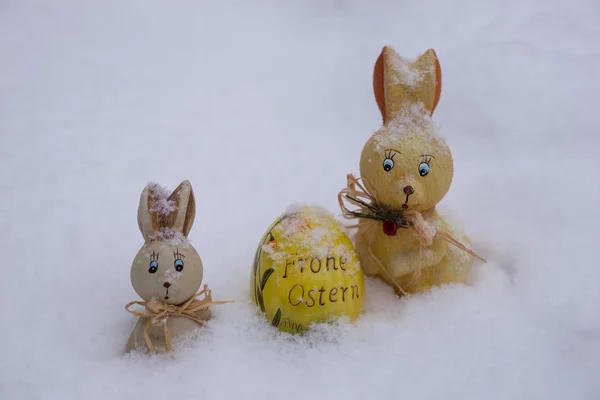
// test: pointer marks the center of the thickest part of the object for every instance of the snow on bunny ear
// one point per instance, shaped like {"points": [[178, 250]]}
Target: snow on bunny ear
{"points": [[160, 212], [399, 83]]}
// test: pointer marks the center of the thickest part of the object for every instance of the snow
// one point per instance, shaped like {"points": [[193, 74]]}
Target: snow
{"points": [[312, 231], [261, 106], [159, 201], [411, 121], [170, 236], [404, 72]]}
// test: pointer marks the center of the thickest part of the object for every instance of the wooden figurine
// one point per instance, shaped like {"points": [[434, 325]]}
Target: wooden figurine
{"points": [[406, 170], [167, 271]]}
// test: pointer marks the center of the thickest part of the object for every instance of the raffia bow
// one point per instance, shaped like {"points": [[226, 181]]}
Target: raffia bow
{"points": [[364, 197], [159, 313]]}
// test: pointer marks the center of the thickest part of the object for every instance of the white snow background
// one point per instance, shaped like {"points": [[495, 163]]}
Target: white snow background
{"points": [[265, 104]]}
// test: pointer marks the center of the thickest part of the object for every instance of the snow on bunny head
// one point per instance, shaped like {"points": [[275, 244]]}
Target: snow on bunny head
{"points": [[405, 161], [167, 268]]}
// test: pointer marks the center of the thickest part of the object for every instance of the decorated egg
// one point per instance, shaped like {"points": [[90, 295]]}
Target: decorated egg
{"points": [[306, 271]]}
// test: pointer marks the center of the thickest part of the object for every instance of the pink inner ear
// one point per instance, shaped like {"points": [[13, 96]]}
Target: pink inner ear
{"points": [[378, 84]]}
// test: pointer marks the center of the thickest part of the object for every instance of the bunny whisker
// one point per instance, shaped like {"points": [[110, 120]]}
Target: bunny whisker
{"points": [[371, 209]]}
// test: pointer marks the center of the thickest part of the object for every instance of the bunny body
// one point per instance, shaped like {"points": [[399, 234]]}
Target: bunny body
{"points": [[167, 270], [178, 326], [410, 169], [414, 268]]}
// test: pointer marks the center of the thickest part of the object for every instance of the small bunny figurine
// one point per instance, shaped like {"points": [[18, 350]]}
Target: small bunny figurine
{"points": [[167, 271], [406, 170]]}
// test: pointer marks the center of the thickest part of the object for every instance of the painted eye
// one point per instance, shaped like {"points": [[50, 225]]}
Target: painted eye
{"points": [[153, 267], [423, 169], [179, 265], [388, 164]]}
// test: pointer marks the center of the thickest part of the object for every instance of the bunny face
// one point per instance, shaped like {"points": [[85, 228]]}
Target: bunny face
{"points": [[407, 164], [166, 272], [410, 171], [167, 268]]}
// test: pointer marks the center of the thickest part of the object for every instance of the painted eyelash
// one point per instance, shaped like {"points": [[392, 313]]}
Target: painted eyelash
{"points": [[390, 154], [178, 254], [154, 256], [426, 159]]}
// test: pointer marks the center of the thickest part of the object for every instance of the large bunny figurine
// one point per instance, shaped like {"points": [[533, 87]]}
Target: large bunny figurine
{"points": [[406, 169], [167, 271]]}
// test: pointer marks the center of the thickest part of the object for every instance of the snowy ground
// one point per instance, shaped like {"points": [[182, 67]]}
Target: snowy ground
{"points": [[263, 105]]}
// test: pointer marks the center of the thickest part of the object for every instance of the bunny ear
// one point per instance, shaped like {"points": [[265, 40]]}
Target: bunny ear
{"points": [[185, 205], [160, 210], [379, 85], [146, 220], [438, 81], [400, 83]]}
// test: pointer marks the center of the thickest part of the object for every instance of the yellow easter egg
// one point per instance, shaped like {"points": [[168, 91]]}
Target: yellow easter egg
{"points": [[306, 271]]}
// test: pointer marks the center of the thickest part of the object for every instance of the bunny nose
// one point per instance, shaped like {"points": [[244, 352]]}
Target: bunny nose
{"points": [[408, 190], [166, 284]]}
